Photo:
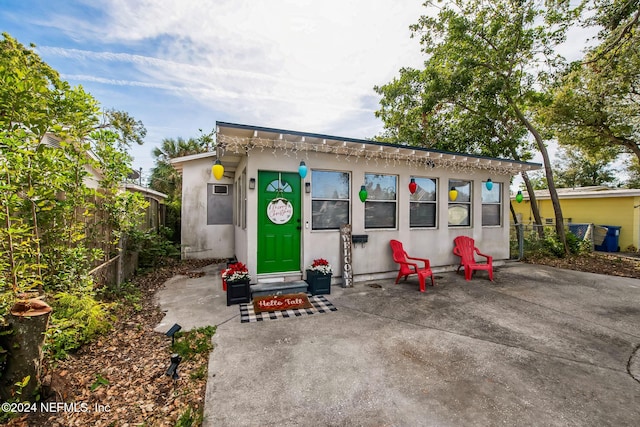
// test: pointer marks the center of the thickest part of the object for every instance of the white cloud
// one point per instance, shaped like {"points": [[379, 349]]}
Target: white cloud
{"points": [[298, 64]]}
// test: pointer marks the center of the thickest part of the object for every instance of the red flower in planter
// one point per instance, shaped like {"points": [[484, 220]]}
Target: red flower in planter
{"points": [[321, 265], [236, 272]]}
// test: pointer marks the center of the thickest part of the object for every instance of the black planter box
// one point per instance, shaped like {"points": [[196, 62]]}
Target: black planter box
{"points": [[238, 292], [319, 284]]}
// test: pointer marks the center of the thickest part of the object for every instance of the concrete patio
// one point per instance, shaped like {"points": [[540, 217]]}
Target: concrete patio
{"points": [[539, 346]]}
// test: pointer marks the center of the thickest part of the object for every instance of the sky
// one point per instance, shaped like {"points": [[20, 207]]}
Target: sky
{"points": [[178, 66]]}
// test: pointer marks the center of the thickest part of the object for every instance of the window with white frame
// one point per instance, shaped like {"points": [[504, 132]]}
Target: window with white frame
{"points": [[492, 204], [380, 207], [240, 195], [243, 196], [460, 208], [423, 206], [329, 199]]}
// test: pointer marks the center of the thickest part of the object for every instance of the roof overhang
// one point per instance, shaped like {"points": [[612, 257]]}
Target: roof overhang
{"points": [[146, 191], [236, 140], [585, 193]]}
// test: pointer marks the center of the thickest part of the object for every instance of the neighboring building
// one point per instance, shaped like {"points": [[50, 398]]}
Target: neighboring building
{"points": [[234, 216], [155, 214], [619, 207]]}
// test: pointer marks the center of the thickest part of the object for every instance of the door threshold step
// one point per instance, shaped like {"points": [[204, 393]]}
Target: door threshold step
{"points": [[279, 288], [279, 277]]}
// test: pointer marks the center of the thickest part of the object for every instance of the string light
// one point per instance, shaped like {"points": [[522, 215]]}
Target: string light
{"points": [[412, 158]]}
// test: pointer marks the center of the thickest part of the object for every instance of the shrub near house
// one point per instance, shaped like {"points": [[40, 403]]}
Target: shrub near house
{"points": [[47, 214]]}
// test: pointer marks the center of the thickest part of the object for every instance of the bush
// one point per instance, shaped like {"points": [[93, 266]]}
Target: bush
{"points": [[76, 319], [127, 293], [550, 245], [154, 247], [578, 246], [69, 268]]}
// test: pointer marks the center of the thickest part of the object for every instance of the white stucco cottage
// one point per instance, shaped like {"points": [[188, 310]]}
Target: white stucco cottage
{"points": [[236, 215]]}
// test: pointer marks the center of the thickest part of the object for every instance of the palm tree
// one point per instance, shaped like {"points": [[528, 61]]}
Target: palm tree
{"points": [[166, 179]]}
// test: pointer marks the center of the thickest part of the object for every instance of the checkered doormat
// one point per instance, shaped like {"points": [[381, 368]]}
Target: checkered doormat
{"points": [[319, 302]]}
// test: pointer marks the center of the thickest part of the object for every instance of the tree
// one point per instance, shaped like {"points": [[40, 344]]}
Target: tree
{"points": [[580, 168], [597, 101], [33, 102], [166, 179], [538, 181], [47, 133], [487, 61], [127, 129], [632, 166]]}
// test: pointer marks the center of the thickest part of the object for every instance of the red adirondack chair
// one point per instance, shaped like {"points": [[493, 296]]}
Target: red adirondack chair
{"points": [[465, 249], [407, 267]]}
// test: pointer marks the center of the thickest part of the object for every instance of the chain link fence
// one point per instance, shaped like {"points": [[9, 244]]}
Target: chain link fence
{"points": [[526, 238]]}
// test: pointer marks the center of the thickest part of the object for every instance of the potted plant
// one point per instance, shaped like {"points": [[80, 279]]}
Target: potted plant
{"points": [[319, 277], [237, 278]]}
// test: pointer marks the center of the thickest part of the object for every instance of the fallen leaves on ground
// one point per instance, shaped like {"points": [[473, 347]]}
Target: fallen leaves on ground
{"points": [[612, 264], [120, 379]]}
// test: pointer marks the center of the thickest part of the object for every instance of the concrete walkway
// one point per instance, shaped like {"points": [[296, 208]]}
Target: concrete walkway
{"points": [[539, 346]]}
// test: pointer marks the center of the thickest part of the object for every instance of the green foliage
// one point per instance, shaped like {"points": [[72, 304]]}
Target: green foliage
{"points": [[48, 132], [76, 319], [191, 417], [486, 70], [194, 342], [200, 373], [154, 247], [632, 165], [127, 292], [128, 129], [550, 245], [538, 181], [99, 382], [595, 101], [576, 167], [19, 386], [69, 267], [51, 221]]}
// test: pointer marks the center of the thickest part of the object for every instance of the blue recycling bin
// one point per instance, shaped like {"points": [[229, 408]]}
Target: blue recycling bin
{"points": [[579, 230], [610, 243]]}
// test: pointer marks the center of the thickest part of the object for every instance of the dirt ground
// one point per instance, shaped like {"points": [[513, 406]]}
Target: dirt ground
{"points": [[124, 371], [120, 379], [613, 264]]}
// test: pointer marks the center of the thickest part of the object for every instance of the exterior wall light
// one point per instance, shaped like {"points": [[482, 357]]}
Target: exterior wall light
{"points": [[217, 170], [307, 187], [252, 183]]}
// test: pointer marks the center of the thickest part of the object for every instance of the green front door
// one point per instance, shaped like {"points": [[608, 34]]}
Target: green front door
{"points": [[279, 217]]}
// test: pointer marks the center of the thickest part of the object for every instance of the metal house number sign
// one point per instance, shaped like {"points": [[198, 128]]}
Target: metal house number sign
{"points": [[279, 210]]}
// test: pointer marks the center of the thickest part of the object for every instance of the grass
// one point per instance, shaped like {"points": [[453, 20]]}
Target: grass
{"points": [[194, 342]]}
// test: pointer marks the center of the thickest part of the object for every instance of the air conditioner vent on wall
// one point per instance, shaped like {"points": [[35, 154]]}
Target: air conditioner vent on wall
{"points": [[221, 190]]}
